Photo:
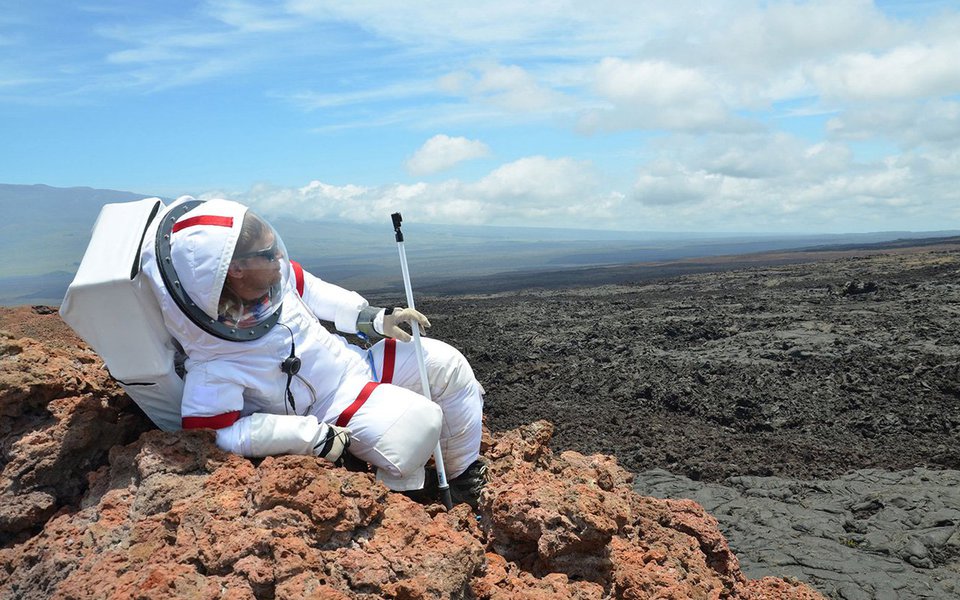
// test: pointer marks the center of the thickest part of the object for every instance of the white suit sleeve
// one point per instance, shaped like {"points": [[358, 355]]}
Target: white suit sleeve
{"points": [[332, 303], [209, 403], [262, 434]]}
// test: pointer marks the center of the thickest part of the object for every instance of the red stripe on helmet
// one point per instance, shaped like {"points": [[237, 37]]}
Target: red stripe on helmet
{"points": [[203, 220], [214, 422]]}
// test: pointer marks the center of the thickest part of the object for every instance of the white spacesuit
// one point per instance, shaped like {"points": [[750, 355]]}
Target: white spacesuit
{"points": [[270, 379]]}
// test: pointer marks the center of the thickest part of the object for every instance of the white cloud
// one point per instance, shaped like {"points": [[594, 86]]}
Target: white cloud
{"points": [[758, 156], [250, 17], [910, 124], [508, 87], [538, 180], [780, 183], [714, 112], [160, 55], [538, 189], [770, 38], [442, 152], [715, 184], [656, 95], [654, 82], [667, 184], [499, 21], [910, 71], [381, 94]]}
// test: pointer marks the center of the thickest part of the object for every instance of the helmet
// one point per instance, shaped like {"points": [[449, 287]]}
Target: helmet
{"points": [[224, 266]]}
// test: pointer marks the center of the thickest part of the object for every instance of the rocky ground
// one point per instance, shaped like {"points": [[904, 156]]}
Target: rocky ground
{"points": [[867, 534], [801, 371], [739, 384], [812, 408], [85, 514]]}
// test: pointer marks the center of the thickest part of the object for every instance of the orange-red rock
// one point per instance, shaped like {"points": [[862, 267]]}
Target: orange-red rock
{"points": [[90, 514]]}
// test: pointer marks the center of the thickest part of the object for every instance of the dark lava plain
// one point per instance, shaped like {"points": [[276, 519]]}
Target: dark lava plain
{"points": [[810, 401], [805, 371]]}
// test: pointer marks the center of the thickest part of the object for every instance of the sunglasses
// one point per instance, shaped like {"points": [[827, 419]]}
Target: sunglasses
{"points": [[270, 253]]}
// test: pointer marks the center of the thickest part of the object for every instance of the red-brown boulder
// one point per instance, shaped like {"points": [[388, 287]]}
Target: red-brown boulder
{"points": [[91, 506]]}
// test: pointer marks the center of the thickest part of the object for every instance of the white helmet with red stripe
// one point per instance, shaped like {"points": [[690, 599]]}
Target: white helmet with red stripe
{"points": [[224, 266]]}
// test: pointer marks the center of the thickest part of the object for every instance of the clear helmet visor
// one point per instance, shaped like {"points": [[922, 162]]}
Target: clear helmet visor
{"points": [[259, 268]]}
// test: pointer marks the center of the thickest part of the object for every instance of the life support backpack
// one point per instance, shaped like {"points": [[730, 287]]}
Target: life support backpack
{"points": [[111, 307]]}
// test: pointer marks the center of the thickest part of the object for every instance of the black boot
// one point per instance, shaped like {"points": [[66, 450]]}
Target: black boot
{"points": [[465, 488], [429, 493]]}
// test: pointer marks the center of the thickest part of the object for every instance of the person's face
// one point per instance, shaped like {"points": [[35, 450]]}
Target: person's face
{"points": [[253, 273]]}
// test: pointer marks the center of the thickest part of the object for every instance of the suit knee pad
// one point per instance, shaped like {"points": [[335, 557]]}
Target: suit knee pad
{"points": [[448, 371], [396, 431]]}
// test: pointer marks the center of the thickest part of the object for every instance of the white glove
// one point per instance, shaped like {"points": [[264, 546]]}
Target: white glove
{"points": [[332, 443], [392, 321]]}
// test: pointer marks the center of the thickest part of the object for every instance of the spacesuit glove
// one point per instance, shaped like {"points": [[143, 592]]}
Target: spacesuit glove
{"points": [[333, 443], [393, 319]]}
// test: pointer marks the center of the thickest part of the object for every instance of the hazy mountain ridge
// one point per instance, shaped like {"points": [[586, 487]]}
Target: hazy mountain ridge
{"points": [[47, 230]]}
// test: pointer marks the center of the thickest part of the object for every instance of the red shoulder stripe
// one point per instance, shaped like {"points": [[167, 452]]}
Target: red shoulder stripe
{"points": [[298, 275]]}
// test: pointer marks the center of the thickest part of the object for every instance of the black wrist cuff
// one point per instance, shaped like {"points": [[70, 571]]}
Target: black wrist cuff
{"points": [[327, 444]]}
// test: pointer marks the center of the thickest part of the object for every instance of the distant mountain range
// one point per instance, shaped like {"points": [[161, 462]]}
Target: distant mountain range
{"points": [[44, 232]]}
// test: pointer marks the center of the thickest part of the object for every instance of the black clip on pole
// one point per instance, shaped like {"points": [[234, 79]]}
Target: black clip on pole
{"points": [[397, 219]]}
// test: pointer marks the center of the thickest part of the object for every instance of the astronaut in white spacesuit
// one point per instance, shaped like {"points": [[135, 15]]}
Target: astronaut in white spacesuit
{"points": [[270, 379]]}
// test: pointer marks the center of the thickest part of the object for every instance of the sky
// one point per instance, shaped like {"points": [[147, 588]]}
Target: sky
{"points": [[826, 116]]}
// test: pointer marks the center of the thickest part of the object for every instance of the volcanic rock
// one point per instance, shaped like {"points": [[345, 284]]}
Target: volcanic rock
{"points": [[834, 415], [90, 514], [765, 371], [867, 534], [60, 414]]}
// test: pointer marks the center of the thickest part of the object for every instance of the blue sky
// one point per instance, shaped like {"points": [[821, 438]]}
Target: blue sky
{"points": [[732, 115]]}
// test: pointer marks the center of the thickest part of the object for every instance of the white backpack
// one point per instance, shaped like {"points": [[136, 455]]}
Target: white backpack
{"points": [[111, 307]]}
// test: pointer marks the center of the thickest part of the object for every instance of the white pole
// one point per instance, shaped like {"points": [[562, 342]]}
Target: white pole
{"points": [[442, 484]]}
